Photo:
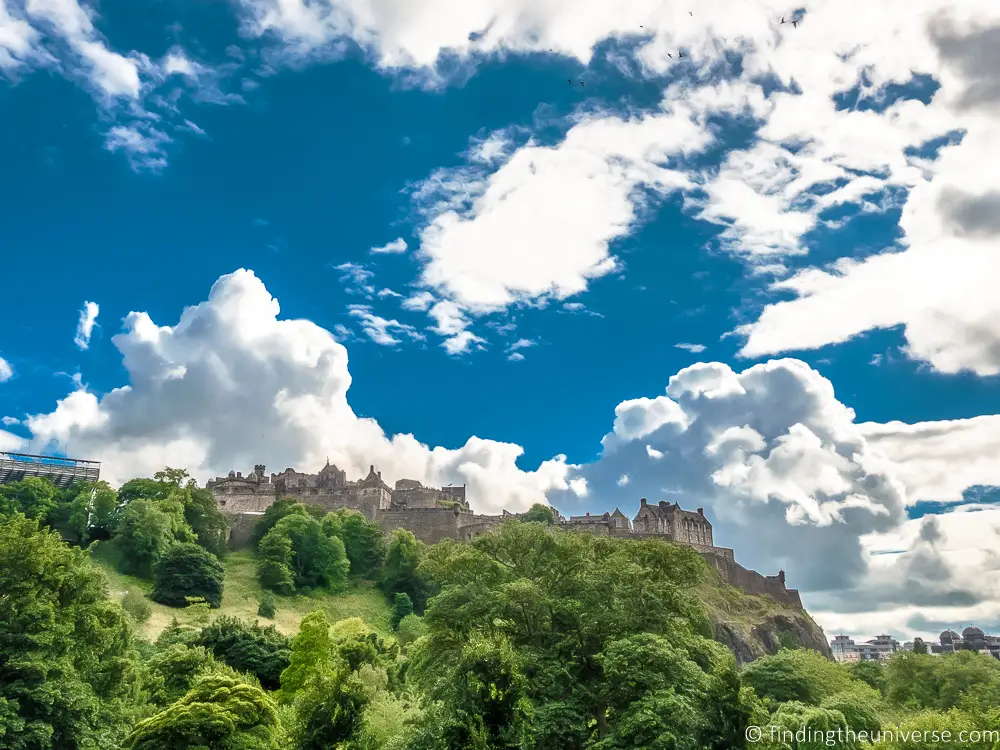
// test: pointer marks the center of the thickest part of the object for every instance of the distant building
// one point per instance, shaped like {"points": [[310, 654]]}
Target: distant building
{"points": [[62, 472], [971, 639], [879, 648]]}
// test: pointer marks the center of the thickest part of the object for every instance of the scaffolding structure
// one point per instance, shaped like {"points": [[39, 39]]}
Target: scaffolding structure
{"points": [[62, 472]]}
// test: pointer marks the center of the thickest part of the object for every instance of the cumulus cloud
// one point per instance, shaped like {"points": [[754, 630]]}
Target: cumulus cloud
{"points": [[85, 326], [397, 246], [6, 371], [693, 348], [202, 393], [8, 421]]}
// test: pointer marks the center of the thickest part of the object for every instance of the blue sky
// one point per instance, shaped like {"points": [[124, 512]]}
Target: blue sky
{"points": [[781, 236]]}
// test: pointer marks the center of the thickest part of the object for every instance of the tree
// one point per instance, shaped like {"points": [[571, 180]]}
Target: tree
{"points": [[175, 669], [145, 532], [70, 674], [793, 717], [247, 647], [219, 712], [565, 603], [268, 607], [137, 606], [93, 512], [297, 550], [399, 575], [410, 628], [277, 510], [312, 651], [203, 516], [34, 497], [539, 513], [870, 672], [329, 710], [800, 675], [919, 647], [187, 570], [401, 607], [363, 540], [860, 707]]}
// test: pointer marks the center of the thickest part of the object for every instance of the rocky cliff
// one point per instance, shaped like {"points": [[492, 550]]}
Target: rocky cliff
{"points": [[754, 625]]}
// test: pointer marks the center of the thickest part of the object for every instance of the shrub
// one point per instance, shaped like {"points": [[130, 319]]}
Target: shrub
{"points": [[402, 606], [188, 570], [136, 605], [268, 607], [248, 648]]}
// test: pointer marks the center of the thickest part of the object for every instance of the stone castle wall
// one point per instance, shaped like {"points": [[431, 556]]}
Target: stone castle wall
{"points": [[752, 582]]}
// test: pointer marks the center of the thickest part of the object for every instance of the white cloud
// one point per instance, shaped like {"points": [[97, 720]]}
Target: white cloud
{"points": [[515, 357], [622, 480], [383, 293], [398, 245], [938, 460], [201, 393], [114, 74], [356, 278], [17, 39], [8, 421], [6, 371], [85, 327], [378, 329], [693, 348], [421, 301]]}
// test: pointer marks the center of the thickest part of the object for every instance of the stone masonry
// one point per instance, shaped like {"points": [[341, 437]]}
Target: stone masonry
{"points": [[435, 514]]}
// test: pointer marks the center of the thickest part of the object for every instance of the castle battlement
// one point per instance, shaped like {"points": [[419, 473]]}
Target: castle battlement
{"points": [[434, 514]]}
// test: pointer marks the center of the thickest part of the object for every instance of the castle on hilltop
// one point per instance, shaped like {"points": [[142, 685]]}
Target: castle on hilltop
{"points": [[433, 514]]}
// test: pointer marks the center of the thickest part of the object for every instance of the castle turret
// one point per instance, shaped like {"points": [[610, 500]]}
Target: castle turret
{"points": [[259, 471]]}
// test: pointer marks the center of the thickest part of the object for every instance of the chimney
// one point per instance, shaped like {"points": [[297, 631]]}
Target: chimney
{"points": [[239, 474], [588, 512], [642, 501], [371, 469], [701, 511], [380, 475]]}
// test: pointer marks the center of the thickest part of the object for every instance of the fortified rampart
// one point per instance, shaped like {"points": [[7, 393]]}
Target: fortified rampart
{"points": [[435, 514]]}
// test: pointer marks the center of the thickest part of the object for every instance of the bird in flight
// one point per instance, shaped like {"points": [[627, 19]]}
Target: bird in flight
{"points": [[670, 56], [581, 83], [680, 54], [795, 24], [782, 19]]}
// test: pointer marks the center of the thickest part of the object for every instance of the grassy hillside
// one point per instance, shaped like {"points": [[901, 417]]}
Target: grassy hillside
{"points": [[243, 594]]}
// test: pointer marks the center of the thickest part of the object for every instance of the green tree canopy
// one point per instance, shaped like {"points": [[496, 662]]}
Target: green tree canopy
{"points": [[363, 540], [219, 712], [312, 651], [297, 554], [187, 570], [247, 647], [69, 671], [34, 497], [539, 513], [797, 675], [146, 530], [568, 605], [399, 574]]}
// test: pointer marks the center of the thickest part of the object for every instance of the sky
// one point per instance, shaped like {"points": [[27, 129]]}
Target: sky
{"points": [[738, 256]]}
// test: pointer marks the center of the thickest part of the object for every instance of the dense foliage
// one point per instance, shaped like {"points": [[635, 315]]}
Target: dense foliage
{"points": [[525, 638], [185, 571]]}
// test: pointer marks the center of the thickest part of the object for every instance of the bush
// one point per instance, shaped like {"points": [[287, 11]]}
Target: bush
{"points": [[136, 605], [410, 628], [248, 648], [402, 606], [188, 570], [268, 607]]}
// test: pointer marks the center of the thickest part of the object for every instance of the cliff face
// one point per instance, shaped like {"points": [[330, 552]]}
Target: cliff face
{"points": [[749, 641], [753, 625]]}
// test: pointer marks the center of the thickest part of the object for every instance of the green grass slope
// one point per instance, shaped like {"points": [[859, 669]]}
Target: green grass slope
{"points": [[243, 593]]}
